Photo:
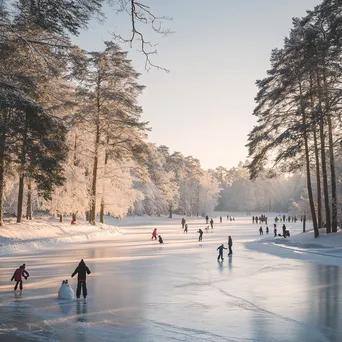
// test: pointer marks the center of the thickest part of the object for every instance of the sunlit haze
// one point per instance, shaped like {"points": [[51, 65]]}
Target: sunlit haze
{"points": [[204, 106]]}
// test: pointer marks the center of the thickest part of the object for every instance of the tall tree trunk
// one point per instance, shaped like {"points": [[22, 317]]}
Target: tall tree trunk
{"points": [[92, 218], [102, 211], [318, 172], [331, 158], [325, 175], [75, 150], [170, 210], [318, 181], [29, 202], [2, 174], [102, 208], [22, 172], [307, 161], [323, 156], [20, 199]]}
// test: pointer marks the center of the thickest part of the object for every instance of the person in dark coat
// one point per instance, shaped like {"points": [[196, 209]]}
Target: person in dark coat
{"points": [[284, 230], [267, 231], [212, 223], [18, 275], [186, 228], [183, 222], [206, 219], [220, 249], [220, 219], [230, 244], [200, 231], [160, 239], [261, 231], [81, 270]]}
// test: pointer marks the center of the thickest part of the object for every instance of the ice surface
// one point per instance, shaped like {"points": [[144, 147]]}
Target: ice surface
{"points": [[142, 291]]}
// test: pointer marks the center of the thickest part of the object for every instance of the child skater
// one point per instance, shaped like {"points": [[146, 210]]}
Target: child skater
{"points": [[220, 249], [18, 275]]}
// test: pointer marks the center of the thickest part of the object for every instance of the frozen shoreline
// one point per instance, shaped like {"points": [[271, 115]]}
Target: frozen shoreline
{"points": [[46, 231], [326, 249]]}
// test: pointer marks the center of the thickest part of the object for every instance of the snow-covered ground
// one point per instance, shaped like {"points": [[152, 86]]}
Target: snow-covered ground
{"points": [[47, 231], [142, 291]]}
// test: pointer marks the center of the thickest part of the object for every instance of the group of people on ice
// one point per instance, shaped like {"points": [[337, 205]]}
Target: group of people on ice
{"points": [[286, 233], [81, 270], [288, 218], [261, 219]]}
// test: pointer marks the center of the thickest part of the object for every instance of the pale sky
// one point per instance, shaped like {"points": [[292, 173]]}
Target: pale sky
{"points": [[204, 106]]}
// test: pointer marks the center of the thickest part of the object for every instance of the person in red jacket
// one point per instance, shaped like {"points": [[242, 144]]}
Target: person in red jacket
{"points": [[18, 277], [154, 234], [81, 270]]}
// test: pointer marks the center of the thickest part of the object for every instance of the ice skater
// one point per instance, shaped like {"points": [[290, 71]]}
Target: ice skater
{"points": [[212, 223], [186, 228], [154, 234], [261, 231], [284, 230], [200, 231], [267, 231], [160, 239], [18, 275], [220, 219], [230, 244], [183, 222], [206, 219], [220, 249], [81, 270], [275, 230]]}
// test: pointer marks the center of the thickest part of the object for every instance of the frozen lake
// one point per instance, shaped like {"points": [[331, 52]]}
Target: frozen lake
{"points": [[142, 291]]}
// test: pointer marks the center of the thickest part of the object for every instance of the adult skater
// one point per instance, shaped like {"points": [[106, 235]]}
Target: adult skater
{"points": [[18, 275], [154, 234], [212, 223], [261, 231], [81, 270], [160, 239], [253, 219], [230, 244], [186, 228], [220, 219], [200, 231], [220, 249], [183, 222], [206, 219], [267, 231], [256, 219], [284, 230], [275, 230], [227, 217]]}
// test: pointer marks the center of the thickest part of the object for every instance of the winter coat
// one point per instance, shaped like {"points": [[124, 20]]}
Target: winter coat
{"points": [[19, 274], [230, 242], [154, 233], [81, 270], [220, 249]]}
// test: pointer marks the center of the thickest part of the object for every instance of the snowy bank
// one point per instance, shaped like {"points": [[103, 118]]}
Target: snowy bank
{"points": [[47, 231], [326, 249]]}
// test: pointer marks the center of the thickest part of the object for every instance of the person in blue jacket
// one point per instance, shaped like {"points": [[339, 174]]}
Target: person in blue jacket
{"points": [[220, 249]]}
